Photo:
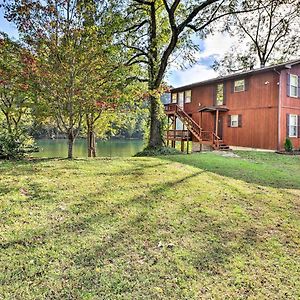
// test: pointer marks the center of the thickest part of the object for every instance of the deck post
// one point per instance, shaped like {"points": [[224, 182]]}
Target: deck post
{"points": [[187, 145], [174, 132]]}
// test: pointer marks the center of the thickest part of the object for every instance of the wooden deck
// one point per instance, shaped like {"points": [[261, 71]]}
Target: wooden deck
{"points": [[191, 132]]}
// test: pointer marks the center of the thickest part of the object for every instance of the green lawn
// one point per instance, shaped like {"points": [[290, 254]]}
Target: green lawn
{"points": [[200, 226]]}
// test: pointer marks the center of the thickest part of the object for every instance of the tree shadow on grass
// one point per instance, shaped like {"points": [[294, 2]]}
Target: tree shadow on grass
{"points": [[241, 169], [131, 251], [130, 244], [136, 170], [41, 195]]}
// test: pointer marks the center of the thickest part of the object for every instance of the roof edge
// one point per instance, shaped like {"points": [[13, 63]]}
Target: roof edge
{"points": [[286, 65]]}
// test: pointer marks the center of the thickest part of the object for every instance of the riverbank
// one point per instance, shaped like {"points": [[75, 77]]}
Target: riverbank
{"points": [[200, 226], [105, 148]]}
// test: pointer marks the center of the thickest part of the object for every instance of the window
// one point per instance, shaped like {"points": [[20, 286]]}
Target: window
{"points": [[174, 98], [220, 94], [180, 101], [293, 125], [239, 86], [188, 96], [294, 86], [234, 121]]}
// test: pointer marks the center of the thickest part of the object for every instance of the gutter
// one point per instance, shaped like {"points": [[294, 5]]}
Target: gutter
{"points": [[279, 111]]}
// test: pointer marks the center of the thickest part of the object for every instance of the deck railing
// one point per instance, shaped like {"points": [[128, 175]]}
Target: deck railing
{"points": [[182, 134], [194, 128]]}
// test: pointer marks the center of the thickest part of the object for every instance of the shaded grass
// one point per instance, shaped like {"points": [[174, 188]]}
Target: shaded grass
{"points": [[264, 168], [148, 228]]}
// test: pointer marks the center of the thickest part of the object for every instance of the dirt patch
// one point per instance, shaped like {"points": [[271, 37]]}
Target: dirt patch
{"points": [[226, 153], [288, 153]]}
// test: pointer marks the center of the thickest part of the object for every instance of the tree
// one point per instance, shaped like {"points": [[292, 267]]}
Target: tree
{"points": [[17, 67], [103, 87], [270, 35], [77, 60], [160, 30]]}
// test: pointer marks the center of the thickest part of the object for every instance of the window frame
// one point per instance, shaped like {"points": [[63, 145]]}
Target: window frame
{"points": [[235, 86], [176, 98], [237, 121], [293, 125], [179, 94], [217, 93], [185, 96], [296, 86]]}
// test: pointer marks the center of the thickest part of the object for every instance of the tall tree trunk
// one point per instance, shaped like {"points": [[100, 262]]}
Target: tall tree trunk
{"points": [[155, 138], [91, 136], [91, 141], [71, 140], [156, 124]]}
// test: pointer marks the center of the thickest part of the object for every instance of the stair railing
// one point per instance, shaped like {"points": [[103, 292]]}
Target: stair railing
{"points": [[189, 121], [195, 129], [216, 140]]}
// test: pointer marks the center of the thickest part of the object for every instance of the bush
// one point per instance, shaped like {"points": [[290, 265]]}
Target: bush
{"points": [[158, 152], [15, 146], [288, 145]]}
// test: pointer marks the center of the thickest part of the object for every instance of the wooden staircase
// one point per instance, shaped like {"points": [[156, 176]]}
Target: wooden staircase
{"points": [[204, 137]]}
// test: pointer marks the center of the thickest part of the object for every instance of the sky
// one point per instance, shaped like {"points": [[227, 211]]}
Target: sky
{"points": [[7, 27], [210, 48]]}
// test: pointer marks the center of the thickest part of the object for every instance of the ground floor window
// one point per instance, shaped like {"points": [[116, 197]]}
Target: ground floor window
{"points": [[234, 121], [293, 124]]}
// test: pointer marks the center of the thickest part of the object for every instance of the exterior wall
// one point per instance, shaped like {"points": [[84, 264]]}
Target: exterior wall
{"points": [[258, 106], [289, 105]]}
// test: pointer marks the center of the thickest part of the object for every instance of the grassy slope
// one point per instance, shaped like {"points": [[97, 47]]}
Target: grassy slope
{"points": [[93, 229]]}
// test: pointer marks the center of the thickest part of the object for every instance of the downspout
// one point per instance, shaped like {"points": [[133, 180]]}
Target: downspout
{"points": [[279, 111]]}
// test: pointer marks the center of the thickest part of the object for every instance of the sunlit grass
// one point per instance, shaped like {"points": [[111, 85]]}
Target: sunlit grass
{"points": [[182, 227]]}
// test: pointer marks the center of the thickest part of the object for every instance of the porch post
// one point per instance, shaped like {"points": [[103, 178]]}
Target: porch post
{"points": [[217, 121], [201, 119]]}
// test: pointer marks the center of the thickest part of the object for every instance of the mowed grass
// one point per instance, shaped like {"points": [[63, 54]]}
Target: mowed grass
{"points": [[183, 227]]}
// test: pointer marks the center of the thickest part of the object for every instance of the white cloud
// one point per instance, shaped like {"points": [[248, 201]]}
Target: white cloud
{"points": [[214, 46], [197, 73]]}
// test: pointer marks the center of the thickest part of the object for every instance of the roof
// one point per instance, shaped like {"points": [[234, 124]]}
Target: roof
{"points": [[286, 65], [212, 108]]}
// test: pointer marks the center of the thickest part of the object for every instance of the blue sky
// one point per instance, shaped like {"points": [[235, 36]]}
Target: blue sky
{"points": [[209, 49], [6, 26]]}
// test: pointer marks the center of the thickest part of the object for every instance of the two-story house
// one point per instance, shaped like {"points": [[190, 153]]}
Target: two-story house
{"points": [[258, 109]]}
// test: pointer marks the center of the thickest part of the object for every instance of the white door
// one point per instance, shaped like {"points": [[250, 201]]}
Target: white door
{"points": [[181, 99]]}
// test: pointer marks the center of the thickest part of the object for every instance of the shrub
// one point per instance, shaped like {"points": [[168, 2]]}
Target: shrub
{"points": [[288, 145], [158, 152], [15, 146]]}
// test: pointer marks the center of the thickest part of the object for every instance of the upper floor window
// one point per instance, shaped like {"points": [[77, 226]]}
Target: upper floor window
{"points": [[239, 85], [188, 96], [220, 94], [294, 86], [293, 124], [174, 98]]}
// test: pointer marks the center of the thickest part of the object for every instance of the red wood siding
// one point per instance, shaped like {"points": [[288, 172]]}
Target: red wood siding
{"points": [[289, 105], [258, 107]]}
